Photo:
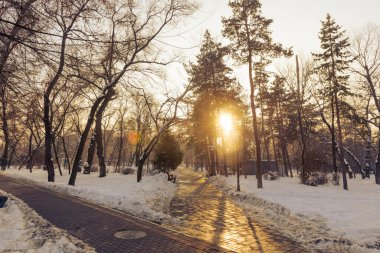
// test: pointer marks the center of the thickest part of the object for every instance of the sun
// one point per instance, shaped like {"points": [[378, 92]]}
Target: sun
{"points": [[225, 122]]}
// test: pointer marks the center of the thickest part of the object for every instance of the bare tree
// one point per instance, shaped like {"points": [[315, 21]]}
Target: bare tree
{"points": [[163, 117], [14, 16], [140, 30], [298, 78], [66, 14], [365, 47]]}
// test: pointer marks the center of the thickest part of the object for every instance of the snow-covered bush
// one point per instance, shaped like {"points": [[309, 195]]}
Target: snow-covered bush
{"points": [[271, 175], [87, 168], [127, 171], [316, 178], [94, 168]]}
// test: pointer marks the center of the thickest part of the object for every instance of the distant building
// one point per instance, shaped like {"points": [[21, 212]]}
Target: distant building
{"points": [[249, 167]]}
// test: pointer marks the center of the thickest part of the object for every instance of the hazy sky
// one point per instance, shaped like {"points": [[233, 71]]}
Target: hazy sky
{"points": [[296, 23]]}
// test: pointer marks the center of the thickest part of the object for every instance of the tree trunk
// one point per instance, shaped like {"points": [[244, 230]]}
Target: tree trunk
{"points": [[99, 133], [340, 138], [288, 160], [30, 160], [356, 161], [48, 139], [140, 164], [288, 166], [99, 147], [254, 122], [138, 152], [274, 150], [377, 103], [225, 172], [267, 143], [152, 143], [264, 137], [368, 157], [121, 143], [46, 108], [300, 125], [90, 155], [82, 142], [4, 157], [280, 126], [66, 154], [13, 151], [283, 153], [333, 143], [377, 171], [216, 163], [145, 155], [211, 158], [263, 134], [57, 158]]}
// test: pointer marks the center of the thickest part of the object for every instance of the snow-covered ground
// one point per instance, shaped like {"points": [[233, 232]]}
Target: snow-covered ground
{"points": [[323, 218], [149, 199], [22, 230]]}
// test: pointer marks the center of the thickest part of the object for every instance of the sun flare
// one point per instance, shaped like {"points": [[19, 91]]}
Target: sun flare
{"points": [[225, 121]]}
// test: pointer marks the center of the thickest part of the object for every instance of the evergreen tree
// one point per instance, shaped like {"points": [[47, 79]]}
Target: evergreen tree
{"points": [[333, 63], [214, 90], [168, 154], [251, 40]]}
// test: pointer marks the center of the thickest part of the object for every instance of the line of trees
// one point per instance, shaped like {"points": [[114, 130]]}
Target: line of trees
{"points": [[63, 66], [78, 86], [327, 99]]}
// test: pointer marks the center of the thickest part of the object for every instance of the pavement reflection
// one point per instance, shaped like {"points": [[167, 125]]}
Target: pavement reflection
{"points": [[207, 214]]}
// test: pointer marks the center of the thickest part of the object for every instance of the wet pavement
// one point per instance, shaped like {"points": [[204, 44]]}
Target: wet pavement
{"points": [[107, 230], [208, 214]]}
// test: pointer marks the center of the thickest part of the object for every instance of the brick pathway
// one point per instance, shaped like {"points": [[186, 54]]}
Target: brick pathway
{"points": [[209, 215], [96, 225]]}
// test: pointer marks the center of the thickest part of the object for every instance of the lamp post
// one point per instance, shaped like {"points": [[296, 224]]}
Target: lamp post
{"points": [[237, 158]]}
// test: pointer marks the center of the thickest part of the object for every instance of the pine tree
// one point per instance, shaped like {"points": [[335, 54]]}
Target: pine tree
{"points": [[168, 154], [333, 63], [214, 90], [251, 39]]}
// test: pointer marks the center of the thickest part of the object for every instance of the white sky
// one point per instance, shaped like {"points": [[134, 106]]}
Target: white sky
{"points": [[296, 23]]}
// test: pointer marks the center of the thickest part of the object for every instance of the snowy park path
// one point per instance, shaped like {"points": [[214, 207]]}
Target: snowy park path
{"points": [[208, 214], [97, 225]]}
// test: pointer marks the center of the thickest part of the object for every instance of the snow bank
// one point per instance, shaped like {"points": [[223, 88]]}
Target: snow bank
{"points": [[323, 218], [23, 230], [150, 199]]}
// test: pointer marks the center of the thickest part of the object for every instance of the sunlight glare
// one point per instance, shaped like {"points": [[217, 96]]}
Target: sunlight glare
{"points": [[225, 121]]}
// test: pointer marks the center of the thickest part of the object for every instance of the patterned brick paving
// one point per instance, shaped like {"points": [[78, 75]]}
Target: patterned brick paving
{"points": [[208, 214], [96, 225]]}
